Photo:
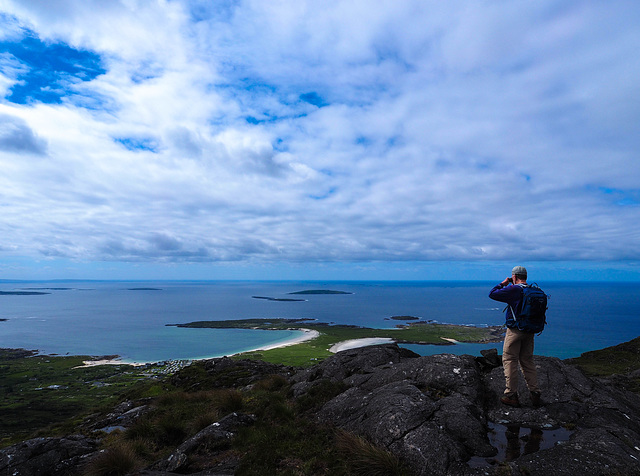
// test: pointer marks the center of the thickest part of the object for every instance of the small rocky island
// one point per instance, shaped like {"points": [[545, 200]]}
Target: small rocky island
{"points": [[404, 318], [320, 291], [267, 298]]}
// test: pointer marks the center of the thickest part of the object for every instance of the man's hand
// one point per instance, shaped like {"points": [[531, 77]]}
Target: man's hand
{"points": [[507, 281]]}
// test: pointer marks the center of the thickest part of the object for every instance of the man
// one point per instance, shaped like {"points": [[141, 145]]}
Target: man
{"points": [[518, 345]]}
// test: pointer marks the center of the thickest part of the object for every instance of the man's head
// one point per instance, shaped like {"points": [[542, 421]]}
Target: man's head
{"points": [[519, 273]]}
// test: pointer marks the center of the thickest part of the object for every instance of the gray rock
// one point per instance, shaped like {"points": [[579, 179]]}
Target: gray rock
{"points": [[489, 360], [123, 416], [213, 435], [435, 413], [352, 362], [46, 456]]}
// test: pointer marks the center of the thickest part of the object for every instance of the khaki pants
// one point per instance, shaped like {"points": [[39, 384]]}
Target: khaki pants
{"points": [[518, 348]]}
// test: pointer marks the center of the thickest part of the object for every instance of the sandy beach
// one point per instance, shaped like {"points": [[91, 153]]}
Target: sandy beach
{"points": [[355, 343], [308, 334], [453, 341], [93, 363]]}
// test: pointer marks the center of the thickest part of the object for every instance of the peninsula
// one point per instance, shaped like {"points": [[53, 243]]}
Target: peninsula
{"points": [[328, 338]]}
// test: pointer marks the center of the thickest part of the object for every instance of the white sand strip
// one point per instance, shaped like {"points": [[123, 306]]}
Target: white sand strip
{"points": [[355, 343], [93, 363], [309, 334], [453, 341]]}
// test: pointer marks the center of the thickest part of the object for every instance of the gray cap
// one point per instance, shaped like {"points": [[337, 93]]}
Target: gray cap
{"points": [[519, 271]]}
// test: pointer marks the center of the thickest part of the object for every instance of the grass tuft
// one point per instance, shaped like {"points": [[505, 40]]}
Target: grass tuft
{"points": [[272, 383], [118, 460], [143, 429], [228, 400], [366, 459]]}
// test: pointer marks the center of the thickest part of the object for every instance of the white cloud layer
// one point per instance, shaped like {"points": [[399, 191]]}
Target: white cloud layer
{"points": [[303, 131]]}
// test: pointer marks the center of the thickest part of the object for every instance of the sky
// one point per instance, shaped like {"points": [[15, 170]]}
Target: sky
{"points": [[295, 139]]}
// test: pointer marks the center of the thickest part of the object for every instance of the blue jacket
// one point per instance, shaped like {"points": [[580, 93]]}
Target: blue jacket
{"points": [[512, 295]]}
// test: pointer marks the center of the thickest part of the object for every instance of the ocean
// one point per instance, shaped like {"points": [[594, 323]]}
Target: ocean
{"points": [[129, 319]]}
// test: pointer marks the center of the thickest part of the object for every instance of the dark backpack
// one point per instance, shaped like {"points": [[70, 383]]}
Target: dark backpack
{"points": [[532, 315]]}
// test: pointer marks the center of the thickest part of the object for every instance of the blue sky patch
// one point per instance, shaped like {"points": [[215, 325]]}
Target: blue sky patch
{"points": [[314, 99], [326, 195], [137, 144], [622, 197], [49, 70]]}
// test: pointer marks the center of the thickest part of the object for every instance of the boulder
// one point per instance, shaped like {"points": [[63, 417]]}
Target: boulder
{"points": [[123, 416], [215, 435], [441, 414]]}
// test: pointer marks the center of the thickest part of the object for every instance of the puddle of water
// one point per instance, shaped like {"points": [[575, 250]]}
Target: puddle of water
{"points": [[513, 441]]}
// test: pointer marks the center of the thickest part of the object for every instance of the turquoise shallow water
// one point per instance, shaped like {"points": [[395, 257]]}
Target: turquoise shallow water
{"points": [[106, 318]]}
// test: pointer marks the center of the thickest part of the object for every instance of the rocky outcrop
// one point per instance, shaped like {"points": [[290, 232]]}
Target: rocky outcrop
{"points": [[221, 431], [226, 373], [441, 414], [47, 456], [122, 417]]}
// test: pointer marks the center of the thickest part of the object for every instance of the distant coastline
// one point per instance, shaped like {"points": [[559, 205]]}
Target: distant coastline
{"points": [[22, 293], [107, 318], [320, 291]]}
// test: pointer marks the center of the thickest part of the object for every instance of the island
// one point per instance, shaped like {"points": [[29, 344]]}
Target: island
{"points": [[404, 318], [278, 299], [48, 289], [320, 291]]}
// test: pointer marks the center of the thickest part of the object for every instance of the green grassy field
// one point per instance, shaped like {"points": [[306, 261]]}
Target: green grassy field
{"points": [[310, 352], [43, 391]]}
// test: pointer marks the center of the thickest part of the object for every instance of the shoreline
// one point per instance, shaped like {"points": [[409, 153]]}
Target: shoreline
{"points": [[357, 343], [307, 334]]}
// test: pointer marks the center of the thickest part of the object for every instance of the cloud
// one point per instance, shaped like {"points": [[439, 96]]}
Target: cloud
{"points": [[16, 136], [249, 131]]}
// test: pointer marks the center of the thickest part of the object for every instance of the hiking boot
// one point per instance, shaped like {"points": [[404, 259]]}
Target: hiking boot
{"points": [[536, 399], [511, 400]]}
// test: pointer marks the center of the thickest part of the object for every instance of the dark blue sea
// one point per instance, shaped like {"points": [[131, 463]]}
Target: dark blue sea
{"points": [[129, 318]]}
